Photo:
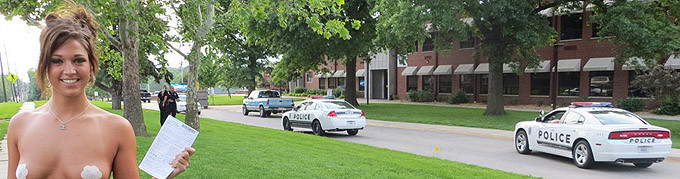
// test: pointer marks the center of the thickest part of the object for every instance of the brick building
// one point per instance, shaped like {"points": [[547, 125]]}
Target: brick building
{"points": [[586, 70]]}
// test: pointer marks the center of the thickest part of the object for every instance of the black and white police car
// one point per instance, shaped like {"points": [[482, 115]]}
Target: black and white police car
{"points": [[323, 115], [591, 132]]}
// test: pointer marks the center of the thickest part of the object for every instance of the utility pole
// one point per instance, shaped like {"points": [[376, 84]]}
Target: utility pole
{"points": [[2, 75], [11, 85], [181, 70], [556, 91]]}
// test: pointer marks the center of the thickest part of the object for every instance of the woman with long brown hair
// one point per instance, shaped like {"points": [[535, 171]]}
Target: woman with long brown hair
{"points": [[68, 137]]}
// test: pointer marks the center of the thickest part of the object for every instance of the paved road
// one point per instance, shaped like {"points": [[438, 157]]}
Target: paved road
{"points": [[487, 148]]}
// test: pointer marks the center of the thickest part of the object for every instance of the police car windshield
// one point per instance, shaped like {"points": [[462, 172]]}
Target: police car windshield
{"points": [[337, 105], [616, 117], [182, 98]]}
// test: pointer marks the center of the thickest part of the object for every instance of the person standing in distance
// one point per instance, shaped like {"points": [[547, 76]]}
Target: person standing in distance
{"points": [[173, 97], [69, 137], [161, 104]]}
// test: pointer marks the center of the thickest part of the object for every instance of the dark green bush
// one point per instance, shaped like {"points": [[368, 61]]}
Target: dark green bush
{"points": [[338, 92], [630, 104], [669, 106], [459, 98], [316, 92], [421, 96], [300, 90], [443, 98]]}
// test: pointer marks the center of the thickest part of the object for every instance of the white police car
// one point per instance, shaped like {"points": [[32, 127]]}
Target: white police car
{"points": [[323, 115], [591, 132]]}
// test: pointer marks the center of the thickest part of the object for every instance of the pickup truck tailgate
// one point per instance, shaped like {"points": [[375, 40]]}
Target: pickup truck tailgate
{"points": [[278, 102]]}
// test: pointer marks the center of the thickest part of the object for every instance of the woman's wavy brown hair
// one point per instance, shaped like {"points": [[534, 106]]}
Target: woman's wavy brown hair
{"points": [[71, 21]]}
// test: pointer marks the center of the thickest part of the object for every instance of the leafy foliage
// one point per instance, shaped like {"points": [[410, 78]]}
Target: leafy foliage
{"points": [[300, 89], [630, 104], [421, 96], [656, 82], [670, 105], [459, 98]]}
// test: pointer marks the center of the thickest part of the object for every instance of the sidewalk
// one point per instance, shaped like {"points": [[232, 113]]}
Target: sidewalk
{"points": [[363, 101], [3, 153]]}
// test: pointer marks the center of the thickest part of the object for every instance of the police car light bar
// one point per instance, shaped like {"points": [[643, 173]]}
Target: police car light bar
{"points": [[591, 104]]}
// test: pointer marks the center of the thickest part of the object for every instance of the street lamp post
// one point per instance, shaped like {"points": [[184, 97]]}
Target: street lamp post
{"points": [[556, 90]]}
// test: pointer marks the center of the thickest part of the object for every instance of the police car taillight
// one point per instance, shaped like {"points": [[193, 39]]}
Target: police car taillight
{"points": [[332, 114], [362, 113], [630, 134]]}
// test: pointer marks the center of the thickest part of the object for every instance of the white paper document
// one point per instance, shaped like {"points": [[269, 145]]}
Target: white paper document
{"points": [[171, 140]]}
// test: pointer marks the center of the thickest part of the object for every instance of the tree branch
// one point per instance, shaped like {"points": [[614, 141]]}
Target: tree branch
{"points": [[115, 42], [103, 87], [176, 49]]}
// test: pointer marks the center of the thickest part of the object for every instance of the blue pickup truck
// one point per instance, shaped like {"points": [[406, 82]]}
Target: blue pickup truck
{"points": [[266, 102]]}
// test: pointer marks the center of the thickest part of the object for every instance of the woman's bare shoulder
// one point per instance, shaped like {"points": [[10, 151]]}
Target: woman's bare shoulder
{"points": [[24, 117], [113, 121]]}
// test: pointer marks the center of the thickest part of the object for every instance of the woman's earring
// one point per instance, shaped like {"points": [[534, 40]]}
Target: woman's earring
{"points": [[49, 85]]}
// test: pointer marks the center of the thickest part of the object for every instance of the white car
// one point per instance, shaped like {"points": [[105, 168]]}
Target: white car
{"points": [[323, 115], [590, 132], [182, 104]]}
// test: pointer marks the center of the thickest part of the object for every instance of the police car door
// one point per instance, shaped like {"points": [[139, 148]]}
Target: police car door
{"points": [[566, 131], [296, 115], [306, 116], [546, 129]]}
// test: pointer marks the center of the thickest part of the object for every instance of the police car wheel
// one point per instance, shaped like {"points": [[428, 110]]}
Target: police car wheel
{"points": [[316, 128], [286, 124], [583, 156], [642, 165], [522, 142], [262, 112], [245, 110], [352, 131]]}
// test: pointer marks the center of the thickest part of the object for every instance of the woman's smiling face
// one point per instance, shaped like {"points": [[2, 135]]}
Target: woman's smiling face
{"points": [[69, 69]]}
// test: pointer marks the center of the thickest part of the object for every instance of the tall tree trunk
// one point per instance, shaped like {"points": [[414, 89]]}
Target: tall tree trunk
{"points": [[350, 81], [130, 46], [115, 90], [116, 94], [191, 118], [495, 102]]}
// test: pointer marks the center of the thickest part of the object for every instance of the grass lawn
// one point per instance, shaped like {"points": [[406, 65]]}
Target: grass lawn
{"points": [[9, 109], [470, 117], [229, 150], [234, 100]]}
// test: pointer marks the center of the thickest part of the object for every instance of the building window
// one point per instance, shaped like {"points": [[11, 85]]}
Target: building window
{"points": [[510, 84], [572, 26], [633, 91], [310, 77], [428, 83], [540, 84], [445, 84], [601, 83], [411, 83], [331, 83], [569, 83], [322, 83], [467, 84], [428, 45], [484, 86], [341, 82], [470, 43]]}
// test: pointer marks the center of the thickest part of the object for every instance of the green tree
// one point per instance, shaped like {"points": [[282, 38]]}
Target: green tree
{"points": [[511, 31], [34, 93], [303, 50], [196, 20]]}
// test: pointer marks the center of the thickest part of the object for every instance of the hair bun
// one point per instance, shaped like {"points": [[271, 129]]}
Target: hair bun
{"points": [[77, 14]]}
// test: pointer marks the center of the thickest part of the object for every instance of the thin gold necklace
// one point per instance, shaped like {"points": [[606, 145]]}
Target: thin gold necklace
{"points": [[63, 124]]}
